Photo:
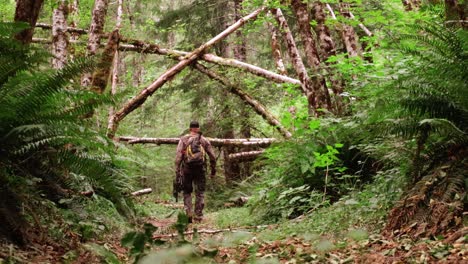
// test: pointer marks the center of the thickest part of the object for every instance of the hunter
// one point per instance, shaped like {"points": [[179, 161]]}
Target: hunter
{"points": [[190, 163]]}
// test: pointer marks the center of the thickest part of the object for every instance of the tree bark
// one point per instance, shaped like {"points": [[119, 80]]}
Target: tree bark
{"points": [[276, 50], [311, 52], [59, 36], [328, 49], [116, 64], [216, 142], [303, 22], [95, 32], [257, 106], [298, 65], [139, 99], [27, 11], [101, 74], [348, 34], [245, 156]]}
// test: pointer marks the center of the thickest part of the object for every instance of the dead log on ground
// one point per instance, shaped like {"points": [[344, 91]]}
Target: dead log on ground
{"points": [[217, 142], [142, 192]]}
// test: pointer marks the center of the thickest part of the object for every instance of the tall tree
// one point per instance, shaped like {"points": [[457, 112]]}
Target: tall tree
{"points": [[59, 35], [27, 11], [311, 52], [95, 32]]}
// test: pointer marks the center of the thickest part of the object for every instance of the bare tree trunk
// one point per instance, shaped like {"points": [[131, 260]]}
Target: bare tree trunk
{"points": [[27, 11], [138, 100], [276, 50], [348, 34], [116, 64], [303, 20], [95, 31], [298, 65], [59, 36]]}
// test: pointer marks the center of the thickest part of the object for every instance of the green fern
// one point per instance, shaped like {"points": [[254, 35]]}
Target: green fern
{"points": [[42, 132]]}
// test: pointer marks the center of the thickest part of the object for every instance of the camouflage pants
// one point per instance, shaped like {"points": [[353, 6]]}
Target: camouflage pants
{"points": [[194, 176]]}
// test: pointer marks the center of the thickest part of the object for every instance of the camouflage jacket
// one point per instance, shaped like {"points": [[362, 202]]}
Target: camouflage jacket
{"points": [[182, 146]]}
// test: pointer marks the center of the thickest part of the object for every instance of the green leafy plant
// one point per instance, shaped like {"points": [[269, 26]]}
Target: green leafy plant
{"points": [[44, 138], [140, 242]]}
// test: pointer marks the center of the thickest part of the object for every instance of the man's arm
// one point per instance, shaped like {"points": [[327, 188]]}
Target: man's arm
{"points": [[211, 155], [179, 155]]}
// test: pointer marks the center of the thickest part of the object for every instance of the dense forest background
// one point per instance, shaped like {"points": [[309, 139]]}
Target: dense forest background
{"points": [[340, 130]]}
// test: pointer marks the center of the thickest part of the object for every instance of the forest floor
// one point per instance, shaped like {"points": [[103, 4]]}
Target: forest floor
{"points": [[261, 244], [220, 238]]}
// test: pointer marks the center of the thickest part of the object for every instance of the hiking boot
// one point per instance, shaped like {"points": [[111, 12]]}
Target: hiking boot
{"points": [[190, 220], [198, 219]]}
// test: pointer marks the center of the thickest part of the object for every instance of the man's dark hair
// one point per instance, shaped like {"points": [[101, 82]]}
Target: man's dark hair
{"points": [[194, 124]]}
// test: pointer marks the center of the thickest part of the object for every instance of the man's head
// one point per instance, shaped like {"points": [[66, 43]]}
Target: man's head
{"points": [[194, 126]]}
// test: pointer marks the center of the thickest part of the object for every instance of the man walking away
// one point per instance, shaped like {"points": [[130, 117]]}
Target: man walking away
{"points": [[191, 162]]}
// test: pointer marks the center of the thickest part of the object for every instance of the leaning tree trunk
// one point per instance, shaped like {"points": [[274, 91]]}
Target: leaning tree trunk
{"points": [[306, 84], [27, 11], [95, 32], [311, 52], [276, 50], [139, 99], [59, 36]]}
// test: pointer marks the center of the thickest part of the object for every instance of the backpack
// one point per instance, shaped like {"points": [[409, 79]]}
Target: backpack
{"points": [[194, 153]]}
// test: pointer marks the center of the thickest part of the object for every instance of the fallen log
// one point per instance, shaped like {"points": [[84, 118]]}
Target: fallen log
{"points": [[217, 142], [142, 192], [244, 156]]}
